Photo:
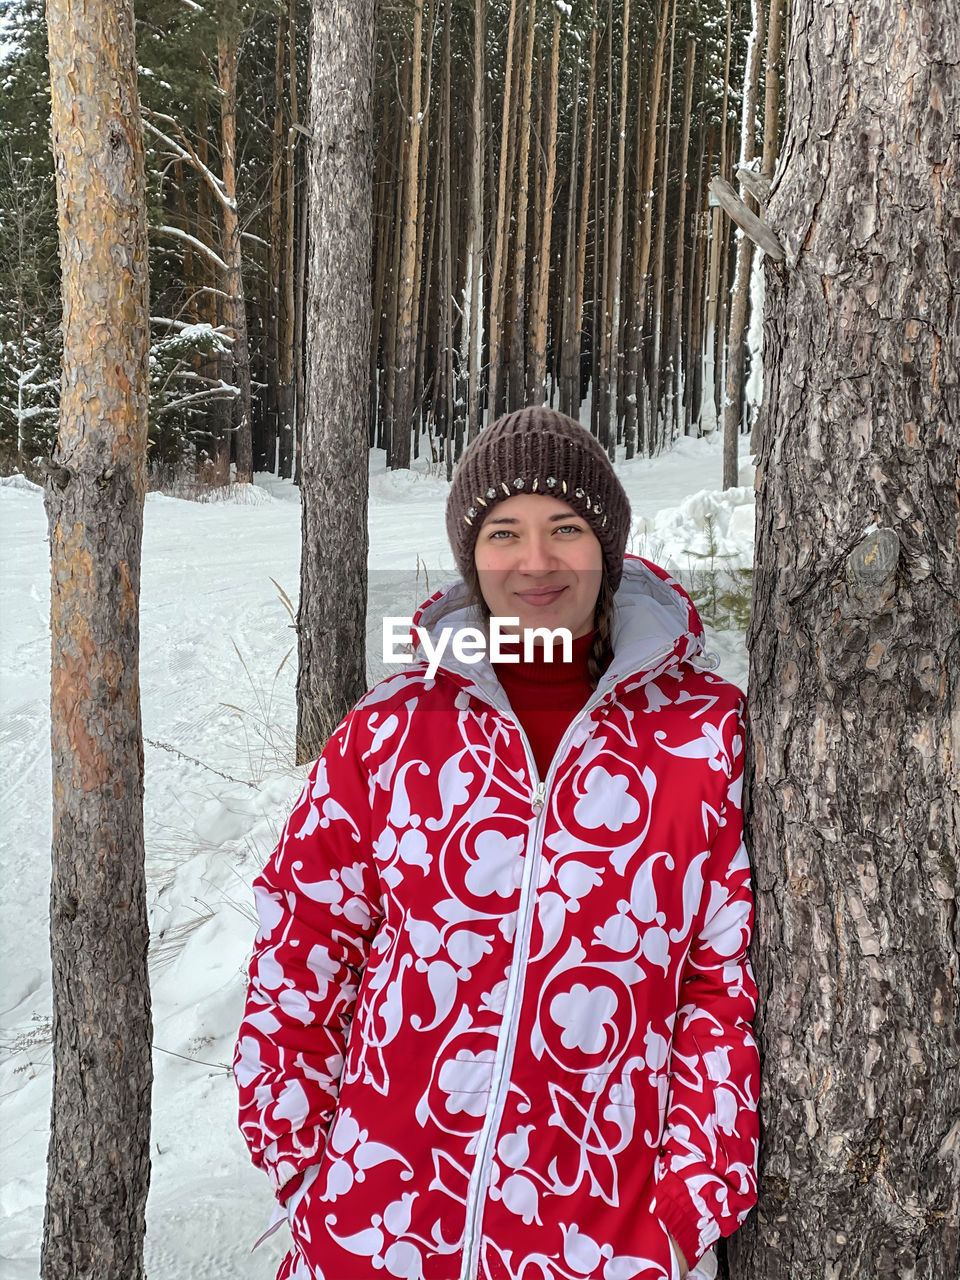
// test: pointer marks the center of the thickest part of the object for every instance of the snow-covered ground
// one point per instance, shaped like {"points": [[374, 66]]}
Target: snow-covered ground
{"points": [[218, 718]]}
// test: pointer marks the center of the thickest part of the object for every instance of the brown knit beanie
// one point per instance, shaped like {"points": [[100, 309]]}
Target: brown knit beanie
{"points": [[538, 450]]}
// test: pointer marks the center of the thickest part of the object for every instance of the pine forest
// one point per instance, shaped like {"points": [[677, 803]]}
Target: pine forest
{"points": [[543, 230]]}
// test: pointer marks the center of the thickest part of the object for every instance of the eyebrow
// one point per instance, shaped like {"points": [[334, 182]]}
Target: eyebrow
{"points": [[565, 516]]}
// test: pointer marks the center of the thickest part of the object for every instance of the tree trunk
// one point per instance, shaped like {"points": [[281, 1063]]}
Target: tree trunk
{"points": [[406, 332], [98, 1167], [501, 228], [517, 386], [656, 341], [641, 252], [286, 424], [232, 253], [575, 314], [740, 301], [472, 324], [541, 288], [333, 575], [674, 378], [707, 417], [615, 258], [855, 659]]}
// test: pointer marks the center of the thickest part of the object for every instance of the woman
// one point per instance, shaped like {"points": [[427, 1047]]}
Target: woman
{"points": [[499, 1005]]}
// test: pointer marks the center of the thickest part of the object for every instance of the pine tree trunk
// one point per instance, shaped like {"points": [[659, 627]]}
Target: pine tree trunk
{"points": [[707, 418], [286, 425], [232, 253], [656, 341], [473, 289], [615, 258], [854, 807], [643, 218], [501, 228], [406, 330], [674, 376], [333, 572], [574, 328], [740, 300], [569, 402], [517, 384], [98, 1165], [541, 288], [272, 317], [601, 380]]}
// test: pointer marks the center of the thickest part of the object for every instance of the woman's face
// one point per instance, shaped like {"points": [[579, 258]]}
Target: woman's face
{"points": [[538, 561]]}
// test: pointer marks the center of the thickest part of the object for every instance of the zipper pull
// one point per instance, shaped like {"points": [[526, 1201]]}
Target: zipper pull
{"points": [[538, 797]]}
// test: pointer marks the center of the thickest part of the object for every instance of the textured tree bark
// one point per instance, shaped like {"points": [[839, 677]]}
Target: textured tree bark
{"points": [[232, 253], [541, 287], [98, 1166], [517, 389], [643, 219], [855, 658], [333, 572], [501, 229], [412, 212], [287, 424], [473, 289], [739, 302]]}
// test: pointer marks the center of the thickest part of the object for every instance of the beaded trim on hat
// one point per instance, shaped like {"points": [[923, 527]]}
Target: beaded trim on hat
{"points": [[519, 483]]}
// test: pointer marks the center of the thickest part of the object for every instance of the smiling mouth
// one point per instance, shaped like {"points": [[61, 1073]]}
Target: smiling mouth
{"points": [[541, 597]]}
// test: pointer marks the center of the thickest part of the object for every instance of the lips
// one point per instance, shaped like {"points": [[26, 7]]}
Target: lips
{"points": [[540, 597]]}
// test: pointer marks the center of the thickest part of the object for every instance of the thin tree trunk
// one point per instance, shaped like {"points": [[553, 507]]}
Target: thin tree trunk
{"points": [[406, 332], [331, 623], [569, 402], [272, 317], [576, 307], [641, 254], [854, 805], [771, 125], [656, 342], [601, 398], [740, 301], [517, 384], [708, 417], [615, 259], [674, 377], [390, 355], [538, 319], [502, 227], [473, 289], [232, 253], [287, 423], [425, 209], [98, 1164]]}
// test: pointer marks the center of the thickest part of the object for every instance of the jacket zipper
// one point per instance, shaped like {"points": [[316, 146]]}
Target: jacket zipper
{"points": [[503, 1063]]}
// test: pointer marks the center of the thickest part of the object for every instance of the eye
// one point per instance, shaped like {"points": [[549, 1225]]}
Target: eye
{"points": [[500, 535], [569, 528]]}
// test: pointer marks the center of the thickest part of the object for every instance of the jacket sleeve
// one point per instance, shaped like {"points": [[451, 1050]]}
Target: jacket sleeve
{"points": [[318, 905], [705, 1174]]}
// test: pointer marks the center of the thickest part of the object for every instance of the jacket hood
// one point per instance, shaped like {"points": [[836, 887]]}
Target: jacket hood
{"points": [[655, 626]]}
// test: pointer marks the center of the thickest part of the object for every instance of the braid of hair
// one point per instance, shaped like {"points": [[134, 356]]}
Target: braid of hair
{"points": [[601, 651]]}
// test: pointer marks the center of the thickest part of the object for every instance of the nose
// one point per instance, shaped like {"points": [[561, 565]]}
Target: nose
{"points": [[537, 555]]}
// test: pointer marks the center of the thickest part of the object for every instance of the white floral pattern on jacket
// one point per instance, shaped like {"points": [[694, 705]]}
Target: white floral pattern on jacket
{"points": [[506, 1026]]}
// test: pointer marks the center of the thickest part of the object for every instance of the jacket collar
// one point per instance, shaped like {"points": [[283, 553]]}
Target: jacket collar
{"points": [[655, 627]]}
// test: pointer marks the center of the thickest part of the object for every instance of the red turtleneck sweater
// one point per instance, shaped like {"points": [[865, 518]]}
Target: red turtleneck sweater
{"points": [[545, 696]]}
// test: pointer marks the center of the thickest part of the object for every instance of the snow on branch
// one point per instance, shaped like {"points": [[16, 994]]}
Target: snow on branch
{"points": [[194, 243], [220, 391], [183, 150]]}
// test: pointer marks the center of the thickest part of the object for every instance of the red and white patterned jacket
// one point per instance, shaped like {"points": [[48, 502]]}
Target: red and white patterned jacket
{"points": [[503, 1022]]}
